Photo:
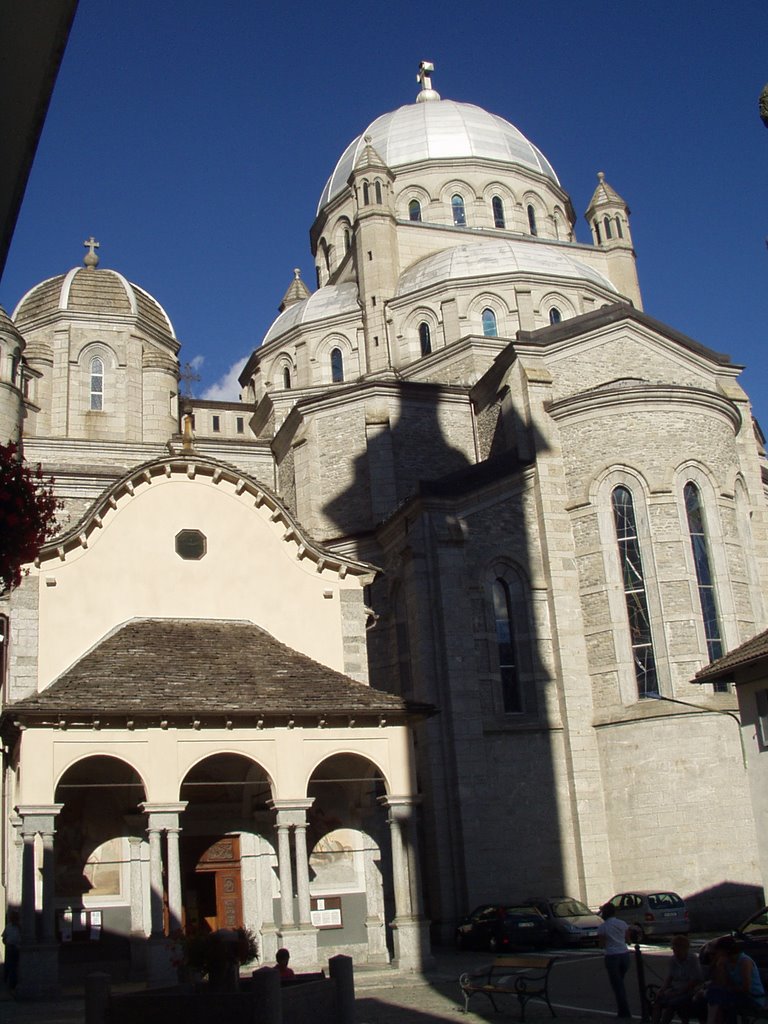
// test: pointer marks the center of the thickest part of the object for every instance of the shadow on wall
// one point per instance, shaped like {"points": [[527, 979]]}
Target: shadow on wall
{"points": [[724, 906]]}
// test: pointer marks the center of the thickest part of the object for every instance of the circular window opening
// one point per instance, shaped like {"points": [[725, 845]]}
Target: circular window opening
{"points": [[191, 544]]}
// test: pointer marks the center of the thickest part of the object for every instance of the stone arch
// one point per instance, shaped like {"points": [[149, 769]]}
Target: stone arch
{"points": [[410, 342], [500, 309], [322, 356], [404, 198], [555, 300]]}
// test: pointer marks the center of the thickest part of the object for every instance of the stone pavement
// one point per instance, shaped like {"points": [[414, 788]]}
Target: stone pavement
{"points": [[383, 997]]}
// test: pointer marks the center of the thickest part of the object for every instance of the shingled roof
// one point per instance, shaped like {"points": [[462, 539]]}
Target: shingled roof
{"points": [[183, 668], [745, 654]]}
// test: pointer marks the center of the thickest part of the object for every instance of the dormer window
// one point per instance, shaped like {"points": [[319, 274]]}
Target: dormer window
{"points": [[414, 210], [490, 329], [97, 385], [459, 215], [425, 338], [532, 220], [497, 206]]}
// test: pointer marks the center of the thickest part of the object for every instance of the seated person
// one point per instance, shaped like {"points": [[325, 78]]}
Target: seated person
{"points": [[282, 957], [684, 977], [736, 986]]}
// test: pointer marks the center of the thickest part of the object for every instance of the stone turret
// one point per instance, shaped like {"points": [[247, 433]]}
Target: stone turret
{"points": [[11, 380], [608, 219]]}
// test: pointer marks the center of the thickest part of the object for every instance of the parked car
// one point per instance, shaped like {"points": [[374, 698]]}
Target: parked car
{"points": [[752, 935], [653, 912], [500, 927], [569, 921]]}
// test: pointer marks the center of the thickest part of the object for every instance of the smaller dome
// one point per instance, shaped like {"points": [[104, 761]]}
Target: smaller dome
{"points": [[92, 291], [505, 256], [331, 301]]}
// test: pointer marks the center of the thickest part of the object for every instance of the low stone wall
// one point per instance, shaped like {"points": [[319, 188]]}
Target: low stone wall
{"points": [[260, 999]]}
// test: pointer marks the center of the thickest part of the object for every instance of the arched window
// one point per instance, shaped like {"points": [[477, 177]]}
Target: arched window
{"points": [[97, 384], [619, 232], [366, 194], [286, 378], [505, 645], [459, 215], [377, 188], [414, 210], [635, 595], [555, 316], [425, 338], [498, 212], [337, 366], [598, 236], [490, 329], [532, 220], [607, 226], [697, 532], [347, 240]]}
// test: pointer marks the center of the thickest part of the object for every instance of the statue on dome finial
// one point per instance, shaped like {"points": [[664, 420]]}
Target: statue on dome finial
{"points": [[91, 260], [426, 67]]}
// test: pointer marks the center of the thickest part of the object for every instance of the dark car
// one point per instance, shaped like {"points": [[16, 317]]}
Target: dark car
{"points": [[752, 936], [653, 912], [569, 921], [500, 927]]}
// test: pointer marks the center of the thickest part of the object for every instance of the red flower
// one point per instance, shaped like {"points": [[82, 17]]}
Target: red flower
{"points": [[28, 509]]}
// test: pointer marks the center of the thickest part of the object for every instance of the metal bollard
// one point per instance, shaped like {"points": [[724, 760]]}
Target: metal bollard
{"points": [[341, 970], [97, 996]]}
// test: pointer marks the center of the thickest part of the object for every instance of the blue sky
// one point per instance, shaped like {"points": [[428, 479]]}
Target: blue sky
{"points": [[193, 140]]}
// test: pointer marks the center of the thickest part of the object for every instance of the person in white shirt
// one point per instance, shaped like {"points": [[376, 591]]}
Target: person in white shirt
{"points": [[612, 935]]}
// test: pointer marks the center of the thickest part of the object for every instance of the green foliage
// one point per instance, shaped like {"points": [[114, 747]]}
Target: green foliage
{"points": [[206, 952], [28, 509]]}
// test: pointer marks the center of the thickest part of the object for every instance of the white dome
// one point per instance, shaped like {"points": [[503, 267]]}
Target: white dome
{"points": [[505, 256], [326, 303], [442, 129]]}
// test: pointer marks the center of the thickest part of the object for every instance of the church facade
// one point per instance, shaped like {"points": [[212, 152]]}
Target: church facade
{"points": [[414, 625]]}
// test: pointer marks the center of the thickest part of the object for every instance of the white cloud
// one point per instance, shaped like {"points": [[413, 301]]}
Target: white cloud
{"points": [[226, 388], [196, 362]]}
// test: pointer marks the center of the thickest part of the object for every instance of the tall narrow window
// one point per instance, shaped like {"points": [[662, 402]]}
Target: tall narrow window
{"points": [[598, 236], [347, 240], [607, 226], [532, 220], [414, 210], [635, 595], [701, 561], [459, 215], [377, 189], [490, 329], [555, 316], [287, 378], [619, 232], [216, 424], [505, 643], [337, 366], [498, 212], [97, 384], [425, 338], [366, 194]]}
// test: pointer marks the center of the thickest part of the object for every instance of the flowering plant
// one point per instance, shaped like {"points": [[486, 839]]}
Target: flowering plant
{"points": [[28, 509]]}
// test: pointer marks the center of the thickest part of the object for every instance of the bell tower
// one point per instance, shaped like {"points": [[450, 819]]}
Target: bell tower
{"points": [[608, 219]]}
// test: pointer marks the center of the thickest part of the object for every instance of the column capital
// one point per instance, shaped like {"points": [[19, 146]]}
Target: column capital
{"points": [[163, 816], [400, 807], [38, 817], [291, 812]]}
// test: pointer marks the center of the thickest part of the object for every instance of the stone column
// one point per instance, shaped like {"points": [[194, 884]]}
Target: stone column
{"points": [[410, 929], [155, 882], [301, 937], [16, 853], [302, 873], [174, 880], [39, 969], [137, 892]]}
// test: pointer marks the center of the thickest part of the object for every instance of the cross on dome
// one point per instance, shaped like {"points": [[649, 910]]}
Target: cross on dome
{"points": [[426, 67], [91, 260]]}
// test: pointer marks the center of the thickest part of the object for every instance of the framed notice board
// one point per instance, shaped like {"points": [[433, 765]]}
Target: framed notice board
{"points": [[325, 912]]}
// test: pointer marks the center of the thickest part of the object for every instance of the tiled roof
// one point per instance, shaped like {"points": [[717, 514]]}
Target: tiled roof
{"points": [[173, 667], [745, 654]]}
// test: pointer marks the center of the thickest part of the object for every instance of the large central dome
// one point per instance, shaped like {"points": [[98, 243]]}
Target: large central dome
{"points": [[442, 129]]}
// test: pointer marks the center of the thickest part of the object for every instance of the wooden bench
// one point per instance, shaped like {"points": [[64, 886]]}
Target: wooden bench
{"points": [[526, 977]]}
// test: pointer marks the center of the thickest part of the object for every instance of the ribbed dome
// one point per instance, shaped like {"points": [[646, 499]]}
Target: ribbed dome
{"points": [[92, 291], [327, 302], [505, 256], [442, 129]]}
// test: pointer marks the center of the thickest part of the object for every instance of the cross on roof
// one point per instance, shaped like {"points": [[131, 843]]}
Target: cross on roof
{"points": [[91, 245], [424, 76]]}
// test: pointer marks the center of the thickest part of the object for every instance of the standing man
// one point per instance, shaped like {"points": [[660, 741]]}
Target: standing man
{"points": [[12, 941], [612, 935]]}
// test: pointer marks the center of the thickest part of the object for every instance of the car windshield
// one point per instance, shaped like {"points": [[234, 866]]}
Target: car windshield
{"points": [[570, 908], [528, 911], [757, 925], [664, 900]]}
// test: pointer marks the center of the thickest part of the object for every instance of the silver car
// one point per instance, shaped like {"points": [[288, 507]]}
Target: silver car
{"points": [[570, 922], [654, 912]]}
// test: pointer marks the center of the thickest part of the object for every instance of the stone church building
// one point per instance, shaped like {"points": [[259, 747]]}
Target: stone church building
{"points": [[413, 625]]}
